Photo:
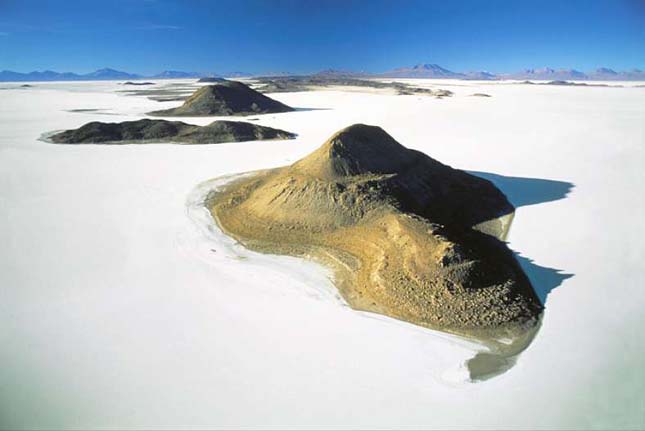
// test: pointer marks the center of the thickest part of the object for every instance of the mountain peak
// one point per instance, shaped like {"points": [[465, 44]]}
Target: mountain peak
{"points": [[423, 70], [428, 66], [107, 73], [606, 70]]}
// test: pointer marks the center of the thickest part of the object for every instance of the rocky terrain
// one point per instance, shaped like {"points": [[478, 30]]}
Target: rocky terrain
{"points": [[406, 236], [570, 84], [225, 98], [284, 84], [577, 84], [159, 131]]}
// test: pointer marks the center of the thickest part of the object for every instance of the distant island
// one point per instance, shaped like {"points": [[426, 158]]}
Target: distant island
{"points": [[225, 98], [284, 84]]}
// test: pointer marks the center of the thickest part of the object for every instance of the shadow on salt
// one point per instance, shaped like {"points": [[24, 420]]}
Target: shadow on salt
{"points": [[523, 192]]}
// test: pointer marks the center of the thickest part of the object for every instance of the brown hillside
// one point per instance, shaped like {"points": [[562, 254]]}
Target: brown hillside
{"points": [[406, 235]]}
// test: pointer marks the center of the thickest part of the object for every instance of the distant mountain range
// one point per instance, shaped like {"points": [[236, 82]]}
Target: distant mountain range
{"points": [[101, 74], [435, 71], [600, 74], [174, 74], [48, 75], [428, 71]]}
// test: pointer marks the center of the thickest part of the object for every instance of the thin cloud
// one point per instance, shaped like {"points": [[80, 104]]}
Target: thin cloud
{"points": [[11, 27], [4, 33], [159, 27]]}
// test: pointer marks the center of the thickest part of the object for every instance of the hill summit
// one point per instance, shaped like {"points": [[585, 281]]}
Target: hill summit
{"points": [[225, 98], [418, 183], [356, 150]]}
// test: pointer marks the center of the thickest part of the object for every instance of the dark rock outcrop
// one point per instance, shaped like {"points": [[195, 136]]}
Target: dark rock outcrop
{"points": [[147, 131]]}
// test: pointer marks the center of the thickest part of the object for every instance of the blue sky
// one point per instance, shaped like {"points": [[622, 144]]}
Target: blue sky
{"points": [[148, 36]]}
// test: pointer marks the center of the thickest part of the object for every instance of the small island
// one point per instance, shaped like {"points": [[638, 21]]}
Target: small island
{"points": [[163, 131]]}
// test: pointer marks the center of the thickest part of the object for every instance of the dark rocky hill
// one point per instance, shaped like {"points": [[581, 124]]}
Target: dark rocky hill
{"points": [[147, 131], [225, 98]]}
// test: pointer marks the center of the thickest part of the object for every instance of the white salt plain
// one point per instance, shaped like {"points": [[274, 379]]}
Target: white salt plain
{"points": [[120, 308]]}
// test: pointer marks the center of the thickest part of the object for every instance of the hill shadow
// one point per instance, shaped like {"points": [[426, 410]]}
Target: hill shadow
{"points": [[528, 191], [543, 279], [522, 192]]}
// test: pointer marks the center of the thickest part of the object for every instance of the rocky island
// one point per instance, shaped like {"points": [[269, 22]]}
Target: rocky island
{"points": [[159, 131], [406, 235], [225, 98]]}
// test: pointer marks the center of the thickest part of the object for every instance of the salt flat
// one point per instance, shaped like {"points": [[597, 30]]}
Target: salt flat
{"points": [[121, 308]]}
